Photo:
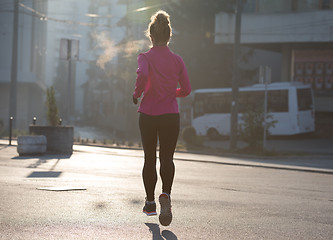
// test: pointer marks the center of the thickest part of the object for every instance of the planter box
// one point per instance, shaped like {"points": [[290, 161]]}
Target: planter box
{"points": [[59, 139], [31, 145]]}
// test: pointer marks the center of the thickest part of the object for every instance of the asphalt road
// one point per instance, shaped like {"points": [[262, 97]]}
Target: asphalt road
{"points": [[213, 197]]}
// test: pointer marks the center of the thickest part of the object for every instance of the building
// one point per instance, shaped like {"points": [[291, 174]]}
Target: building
{"points": [[299, 33], [86, 49], [28, 97], [42, 27], [92, 26]]}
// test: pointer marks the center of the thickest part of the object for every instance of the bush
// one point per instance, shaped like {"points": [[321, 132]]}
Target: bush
{"points": [[52, 108], [252, 129], [189, 135]]}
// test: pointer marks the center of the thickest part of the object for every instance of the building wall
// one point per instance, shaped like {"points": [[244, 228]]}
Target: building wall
{"points": [[83, 21], [95, 24], [274, 6], [30, 59], [288, 28]]}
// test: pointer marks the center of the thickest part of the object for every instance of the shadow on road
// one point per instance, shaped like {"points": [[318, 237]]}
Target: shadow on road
{"points": [[3, 147], [155, 230], [42, 159], [169, 235], [44, 174]]}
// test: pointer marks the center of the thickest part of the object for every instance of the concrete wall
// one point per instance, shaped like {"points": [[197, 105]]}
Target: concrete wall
{"points": [[59, 139], [312, 26]]}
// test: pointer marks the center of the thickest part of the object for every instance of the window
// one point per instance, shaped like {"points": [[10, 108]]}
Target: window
{"points": [[209, 103], [250, 98], [198, 105], [269, 6], [212, 103], [326, 4], [306, 5], [218, 103], [304, 99], [277, 101], [250, 6]]}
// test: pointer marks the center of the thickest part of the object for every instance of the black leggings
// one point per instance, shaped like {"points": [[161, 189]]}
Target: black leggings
{"points": [[166, 129]]}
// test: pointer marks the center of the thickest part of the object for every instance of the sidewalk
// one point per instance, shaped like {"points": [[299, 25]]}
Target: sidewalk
{"points": [[317, 162], [316, 146], [321, 146]]}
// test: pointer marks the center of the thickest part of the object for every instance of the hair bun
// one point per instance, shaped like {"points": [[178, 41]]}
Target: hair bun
{"points": [[162, 19], [161, 23], [159, 27]]}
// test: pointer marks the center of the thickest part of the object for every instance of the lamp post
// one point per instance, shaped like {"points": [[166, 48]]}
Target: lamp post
{"points": [[13, 81], [10, 130], [69, 50], [235, 79]]}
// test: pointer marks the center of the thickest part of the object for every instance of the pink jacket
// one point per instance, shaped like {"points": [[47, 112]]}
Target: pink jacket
{"points": [[158, 74]]}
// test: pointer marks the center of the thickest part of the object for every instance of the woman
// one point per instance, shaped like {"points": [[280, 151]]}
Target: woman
{"points": [[158, 75]]}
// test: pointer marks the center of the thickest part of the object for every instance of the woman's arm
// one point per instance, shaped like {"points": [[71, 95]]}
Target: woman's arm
{"points": [[142, 76], [184, 82]]}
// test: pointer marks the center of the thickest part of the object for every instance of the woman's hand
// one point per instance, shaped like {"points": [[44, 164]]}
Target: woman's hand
{"points": [[135, 100]]}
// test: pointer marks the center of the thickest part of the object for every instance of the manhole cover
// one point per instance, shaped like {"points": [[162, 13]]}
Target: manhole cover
{"points": [[62, 188]]}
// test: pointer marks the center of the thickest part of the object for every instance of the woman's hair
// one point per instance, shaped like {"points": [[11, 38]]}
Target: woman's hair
{"points": [[159, 28]]}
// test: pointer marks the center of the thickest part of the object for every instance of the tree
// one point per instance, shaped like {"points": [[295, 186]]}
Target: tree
{"points": [[52, 108], [60, 84], [193, 21]]}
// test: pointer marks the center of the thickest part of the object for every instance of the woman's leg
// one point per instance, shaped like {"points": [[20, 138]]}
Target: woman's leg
{"points": [[148, 131], [168, 131]]}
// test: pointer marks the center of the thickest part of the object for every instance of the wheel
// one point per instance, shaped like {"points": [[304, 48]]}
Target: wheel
{"points": [[213, 134], [189, 135]]}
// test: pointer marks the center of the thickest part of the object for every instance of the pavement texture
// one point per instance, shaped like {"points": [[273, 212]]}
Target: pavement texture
{"points": [[97, 193]]}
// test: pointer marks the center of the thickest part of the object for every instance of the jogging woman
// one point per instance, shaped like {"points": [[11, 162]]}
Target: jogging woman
{"points": [[159, 74]]}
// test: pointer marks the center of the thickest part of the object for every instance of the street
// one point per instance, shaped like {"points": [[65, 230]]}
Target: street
{"points": [[213, 197]]}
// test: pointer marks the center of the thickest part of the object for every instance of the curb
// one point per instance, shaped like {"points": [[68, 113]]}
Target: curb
{"points": [[246, 158]]}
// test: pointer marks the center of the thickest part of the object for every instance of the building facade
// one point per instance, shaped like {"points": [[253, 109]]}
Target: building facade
{"points": [[86, 49], [28, 96], [297, 32], [42, 27]]}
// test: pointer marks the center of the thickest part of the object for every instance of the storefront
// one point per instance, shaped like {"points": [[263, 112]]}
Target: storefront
{"points": [[315, 67]]}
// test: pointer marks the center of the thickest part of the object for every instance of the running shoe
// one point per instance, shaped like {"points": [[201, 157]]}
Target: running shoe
{"points": [[166, 214], [150, 209]]}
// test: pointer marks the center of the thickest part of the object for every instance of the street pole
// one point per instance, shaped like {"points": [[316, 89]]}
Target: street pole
{"points": [[265, 113], [235, 79], [69, 83], [10, 130], [13, 81], [69, 51], [267, 80]]}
